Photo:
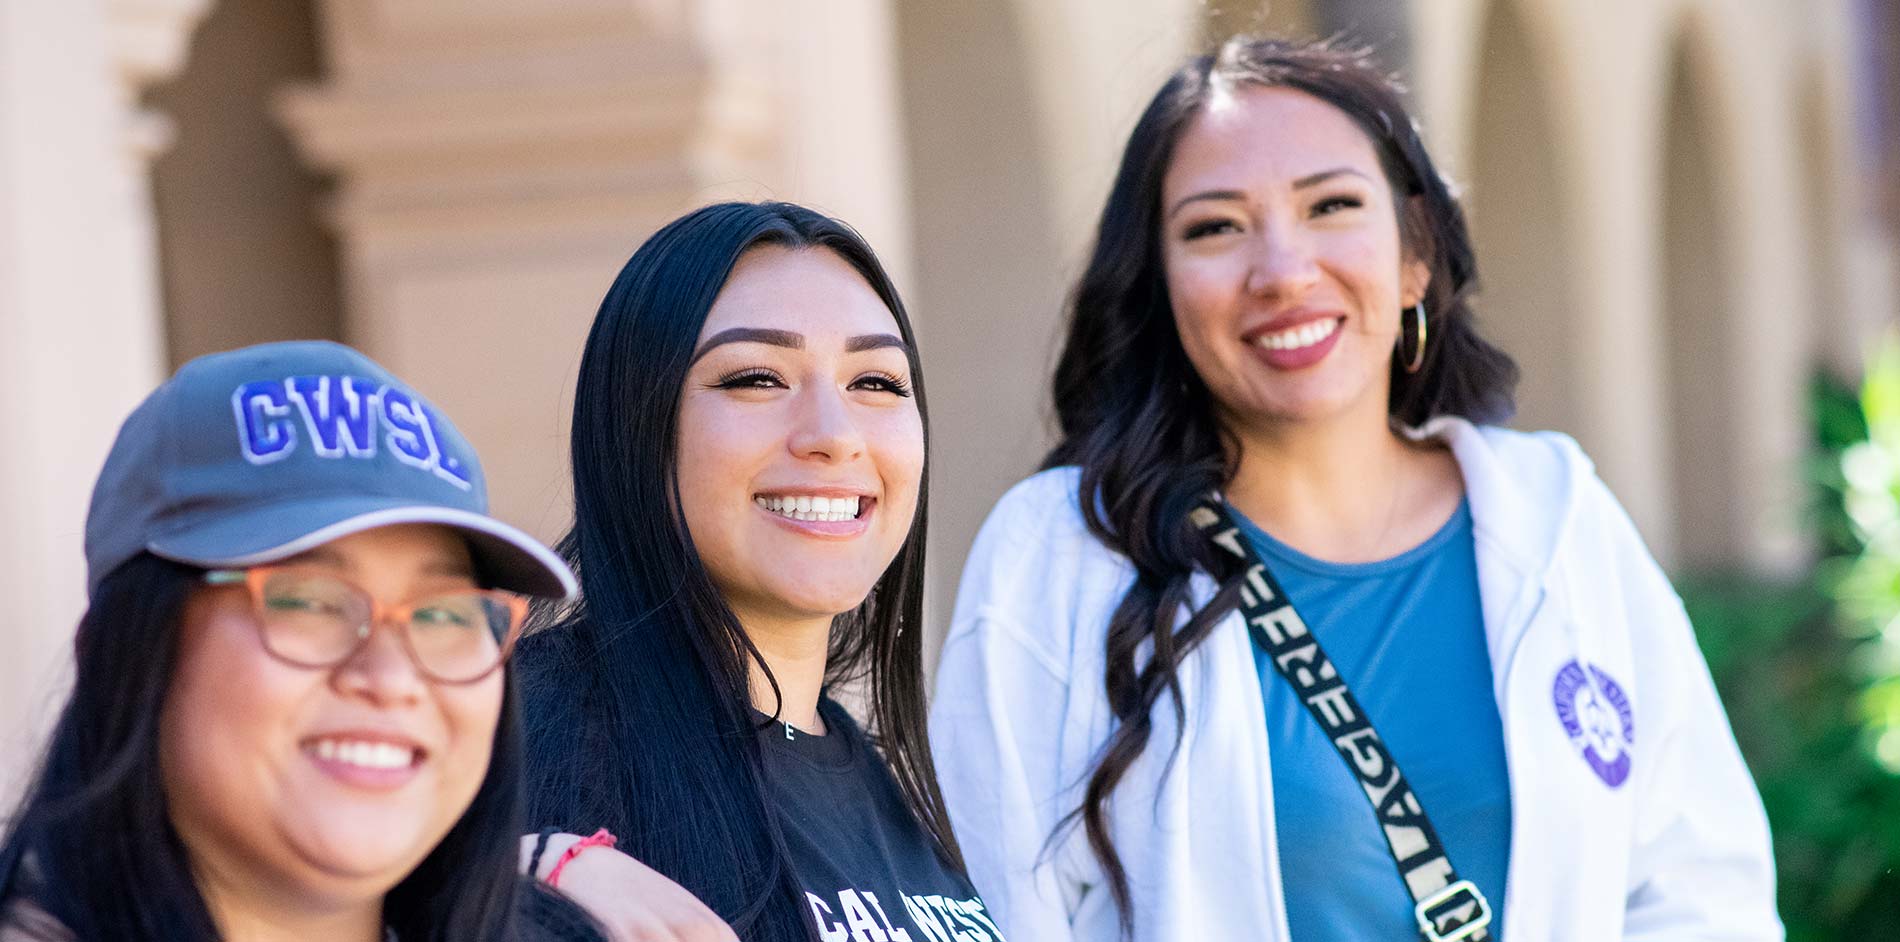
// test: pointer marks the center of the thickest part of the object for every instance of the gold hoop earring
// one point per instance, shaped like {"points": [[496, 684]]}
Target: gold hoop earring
{"points": [[1418, 354]]}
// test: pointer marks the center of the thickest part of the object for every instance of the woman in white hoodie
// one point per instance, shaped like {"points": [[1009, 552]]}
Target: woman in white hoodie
{"points": [[1286, 642]]}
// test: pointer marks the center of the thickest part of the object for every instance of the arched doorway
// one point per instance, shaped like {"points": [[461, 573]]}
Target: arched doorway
{"points": [[243, 256], [1819, 178], [1520, 225], [1698, 326], [987, 293]]}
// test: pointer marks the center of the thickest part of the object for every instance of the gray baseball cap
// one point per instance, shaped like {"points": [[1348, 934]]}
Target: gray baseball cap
{"points": [[255, 455]]}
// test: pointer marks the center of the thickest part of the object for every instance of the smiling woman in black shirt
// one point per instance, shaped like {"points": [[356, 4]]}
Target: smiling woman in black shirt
{"points": [[748, 449]]}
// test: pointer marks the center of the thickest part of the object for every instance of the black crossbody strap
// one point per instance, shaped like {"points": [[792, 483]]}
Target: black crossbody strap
{"points": [[1447, 907]]}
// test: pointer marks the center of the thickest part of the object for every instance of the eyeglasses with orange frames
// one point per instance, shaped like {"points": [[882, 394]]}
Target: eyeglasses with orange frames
{"points": [[312, 618]]}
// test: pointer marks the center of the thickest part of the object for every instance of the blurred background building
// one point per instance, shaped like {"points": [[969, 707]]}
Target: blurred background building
{"points": [[1682, 208]]}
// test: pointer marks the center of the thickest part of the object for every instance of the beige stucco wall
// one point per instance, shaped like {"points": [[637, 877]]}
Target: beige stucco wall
{"points": [[80, 335]]}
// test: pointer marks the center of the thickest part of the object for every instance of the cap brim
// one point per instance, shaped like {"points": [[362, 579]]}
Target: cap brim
{"points": [[507, 557]]}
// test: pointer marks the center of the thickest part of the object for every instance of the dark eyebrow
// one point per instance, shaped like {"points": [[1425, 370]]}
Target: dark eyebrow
{"points": [[448, 566], [1314, 179], [1311, 179], [874, 342], [777, 338], [1206, 195]]}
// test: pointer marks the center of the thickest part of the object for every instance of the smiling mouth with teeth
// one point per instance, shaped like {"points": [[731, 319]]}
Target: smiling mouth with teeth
{"points": [[814, 509], [1305, 335], [368, 755]]}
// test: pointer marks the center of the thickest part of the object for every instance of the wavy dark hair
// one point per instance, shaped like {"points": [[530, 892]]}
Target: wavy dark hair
{"points": [[93, 845], [639, 712], [1141, 424]]}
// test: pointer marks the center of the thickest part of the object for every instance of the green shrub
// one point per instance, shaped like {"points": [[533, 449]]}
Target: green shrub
{"points": [[1810, 673]]}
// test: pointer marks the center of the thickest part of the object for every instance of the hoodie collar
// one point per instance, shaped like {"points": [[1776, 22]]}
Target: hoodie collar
{"points": [[1521, 502]]}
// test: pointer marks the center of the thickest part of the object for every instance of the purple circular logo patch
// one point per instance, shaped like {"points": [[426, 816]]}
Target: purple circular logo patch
{"points": [[1596, 714]]}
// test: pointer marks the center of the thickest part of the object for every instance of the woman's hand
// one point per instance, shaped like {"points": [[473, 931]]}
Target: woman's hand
{"points": [[632, 901]]}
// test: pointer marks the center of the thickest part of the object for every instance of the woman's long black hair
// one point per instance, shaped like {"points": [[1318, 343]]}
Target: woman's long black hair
{"points": [[1141, 424], [93, 845], [639, 711]]}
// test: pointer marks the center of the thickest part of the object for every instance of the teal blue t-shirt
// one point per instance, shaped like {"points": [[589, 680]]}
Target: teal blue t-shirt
{"points": [[1407, 634]]}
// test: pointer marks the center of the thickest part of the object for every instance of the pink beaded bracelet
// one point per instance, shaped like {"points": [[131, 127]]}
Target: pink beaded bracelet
{"points": [[600, 838]]}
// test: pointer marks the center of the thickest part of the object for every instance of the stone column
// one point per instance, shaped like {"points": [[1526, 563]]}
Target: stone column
{"points": [[1017, 112], [1092, 66], [80, 335]]}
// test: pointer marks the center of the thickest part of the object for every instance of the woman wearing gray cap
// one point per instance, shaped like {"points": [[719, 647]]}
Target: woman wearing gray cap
{"points": [[290, 718]]}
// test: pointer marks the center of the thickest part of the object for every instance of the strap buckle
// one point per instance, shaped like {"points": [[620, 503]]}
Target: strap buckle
{"points": [[1446, 904]]}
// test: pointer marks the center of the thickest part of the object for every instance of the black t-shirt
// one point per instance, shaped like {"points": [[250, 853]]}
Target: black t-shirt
{"points": [[870, 871]]}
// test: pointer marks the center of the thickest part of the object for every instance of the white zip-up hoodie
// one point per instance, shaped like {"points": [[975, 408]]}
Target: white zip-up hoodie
{"points": [[1633, 816]]}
